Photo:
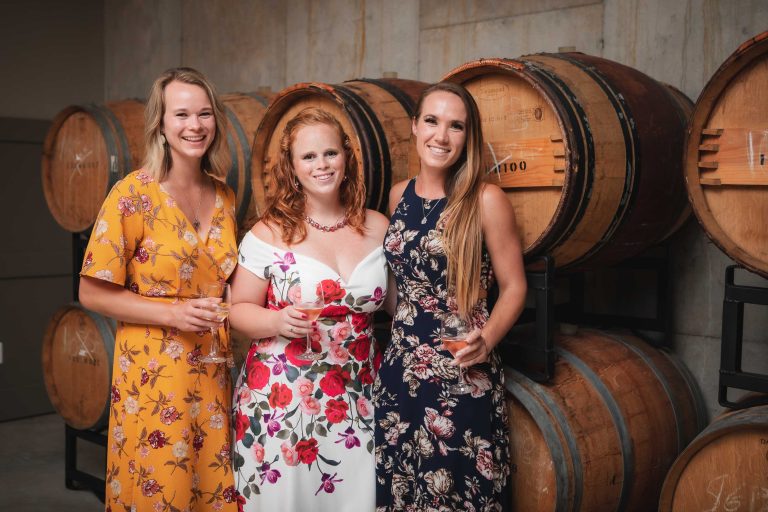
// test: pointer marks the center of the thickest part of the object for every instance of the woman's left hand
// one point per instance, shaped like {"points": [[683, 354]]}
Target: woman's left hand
{"points": [[475, 352]]}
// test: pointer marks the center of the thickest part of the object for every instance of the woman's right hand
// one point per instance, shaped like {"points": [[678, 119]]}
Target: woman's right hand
{"points": [[291, 323], [195, 314]]}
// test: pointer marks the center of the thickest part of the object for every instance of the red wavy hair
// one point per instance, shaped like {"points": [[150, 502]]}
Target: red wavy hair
{"points": [[286, 208]]}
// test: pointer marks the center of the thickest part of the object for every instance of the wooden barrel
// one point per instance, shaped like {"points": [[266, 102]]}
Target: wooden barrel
{"points": [[602, 434], [77, 365], [587, 149], [726, 156], [376, 114], [244, 113], [724, 469], [87, 149]]}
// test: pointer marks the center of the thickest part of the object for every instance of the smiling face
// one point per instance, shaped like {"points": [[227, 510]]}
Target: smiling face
{"points": [[318, 159], [188, 123], [440, 130]]}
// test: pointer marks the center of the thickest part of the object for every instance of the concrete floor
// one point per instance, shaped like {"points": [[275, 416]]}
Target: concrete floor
{"points": [[32, 469]]}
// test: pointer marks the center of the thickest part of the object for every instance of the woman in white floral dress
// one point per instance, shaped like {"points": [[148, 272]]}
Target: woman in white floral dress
{"points": [[450, 235], [304, 429]]}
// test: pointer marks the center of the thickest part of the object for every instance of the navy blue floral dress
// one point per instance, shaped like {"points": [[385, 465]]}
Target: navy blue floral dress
{"points": [[434, 450]]}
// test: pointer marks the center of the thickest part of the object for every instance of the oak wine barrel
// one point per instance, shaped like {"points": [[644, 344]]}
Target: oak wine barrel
{"points": [[78, 348], [87, 150], [603, 433], [726, 156], [244, 113], [724, 468], [588, 151], [375, 113]]}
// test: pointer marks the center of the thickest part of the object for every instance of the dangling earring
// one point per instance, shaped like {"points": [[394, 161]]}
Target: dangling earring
{"points": [[345, 178], [296, 183]]}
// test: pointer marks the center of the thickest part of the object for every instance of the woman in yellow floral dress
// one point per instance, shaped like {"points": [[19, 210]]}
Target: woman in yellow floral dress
{"points": [[163, 233]]}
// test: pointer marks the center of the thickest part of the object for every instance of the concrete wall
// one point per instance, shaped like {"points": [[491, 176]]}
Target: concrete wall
{"points": [[113, 50]]}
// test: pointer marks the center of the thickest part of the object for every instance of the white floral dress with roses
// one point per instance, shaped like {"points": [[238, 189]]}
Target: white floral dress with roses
{"points": [[304, 429]]}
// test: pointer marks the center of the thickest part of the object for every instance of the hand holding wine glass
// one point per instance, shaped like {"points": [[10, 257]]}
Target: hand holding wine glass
{"points": [[311, 306], [454, 332], [217, 289]]}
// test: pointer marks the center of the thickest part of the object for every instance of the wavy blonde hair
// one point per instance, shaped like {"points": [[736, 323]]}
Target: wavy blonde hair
{"points": [[462, 232], [157, 161], [286, 208]]}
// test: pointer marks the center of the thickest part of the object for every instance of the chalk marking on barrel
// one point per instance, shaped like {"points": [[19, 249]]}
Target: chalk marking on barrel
{"points": [[85, 348], [79, 157], [497, 163]]}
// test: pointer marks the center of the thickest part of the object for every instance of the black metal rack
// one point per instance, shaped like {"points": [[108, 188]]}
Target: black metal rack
{"points": [[534, 354], [731, 374], [535, 357], [73, 477], [573, 312]]}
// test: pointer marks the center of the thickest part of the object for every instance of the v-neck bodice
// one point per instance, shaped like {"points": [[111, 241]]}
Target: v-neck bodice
{"points": [[153, 248], [261, 257], [218, 203]]}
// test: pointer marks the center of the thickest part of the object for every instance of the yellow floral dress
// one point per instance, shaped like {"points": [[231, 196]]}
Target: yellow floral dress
{"points": [[169, 428]]}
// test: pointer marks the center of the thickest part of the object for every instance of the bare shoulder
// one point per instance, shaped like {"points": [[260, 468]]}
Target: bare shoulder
{"points": [[493, 198], [395, 193], [376, 223], [266, 233]]}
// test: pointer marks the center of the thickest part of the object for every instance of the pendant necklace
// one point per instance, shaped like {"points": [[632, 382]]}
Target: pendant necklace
{"points": [[196, 211], [426, 204]]}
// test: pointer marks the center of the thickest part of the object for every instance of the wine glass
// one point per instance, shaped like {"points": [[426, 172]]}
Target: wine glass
{"points": [[453, 334], [218, 289], [311, 306]]}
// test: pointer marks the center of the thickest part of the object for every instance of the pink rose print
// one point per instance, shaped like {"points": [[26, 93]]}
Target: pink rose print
{"points": [[304, 386], [309, 405], [289, 454]]}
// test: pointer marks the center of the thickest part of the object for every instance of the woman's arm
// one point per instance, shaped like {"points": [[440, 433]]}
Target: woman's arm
{"points": [[249, 316], [117, 302], [503, 243]]}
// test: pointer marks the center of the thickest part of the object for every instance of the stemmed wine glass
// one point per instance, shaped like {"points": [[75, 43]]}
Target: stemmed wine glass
{"points": [[453, 334], [217, 289], [312, 308]]}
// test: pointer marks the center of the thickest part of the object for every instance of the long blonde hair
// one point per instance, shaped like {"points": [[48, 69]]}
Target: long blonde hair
{"points": [[286, 208], [462, 232], [157, 161]]}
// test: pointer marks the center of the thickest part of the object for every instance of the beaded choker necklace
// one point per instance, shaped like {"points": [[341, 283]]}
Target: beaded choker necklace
{"points": [[328, 229]]}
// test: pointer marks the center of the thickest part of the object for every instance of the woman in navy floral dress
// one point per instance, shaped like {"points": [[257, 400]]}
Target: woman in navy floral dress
{"points": [[451, 234]]}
